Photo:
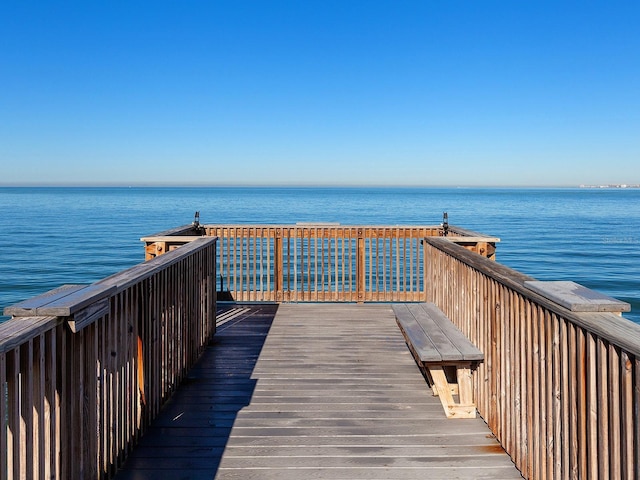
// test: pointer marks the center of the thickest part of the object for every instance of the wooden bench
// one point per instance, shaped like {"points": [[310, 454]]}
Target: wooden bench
{"points": [[446, 357]]}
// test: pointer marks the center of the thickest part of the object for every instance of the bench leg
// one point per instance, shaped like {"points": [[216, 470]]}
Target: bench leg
{"points": [[441, 386], [465, 386]]}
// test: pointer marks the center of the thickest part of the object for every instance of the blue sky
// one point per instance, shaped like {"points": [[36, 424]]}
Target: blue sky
{"points": [[320, 92]]}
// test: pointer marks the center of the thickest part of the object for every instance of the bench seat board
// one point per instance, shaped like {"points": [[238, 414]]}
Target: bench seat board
{"points": [[467, 349], [431, 324], [422, 343], [443, 342]]}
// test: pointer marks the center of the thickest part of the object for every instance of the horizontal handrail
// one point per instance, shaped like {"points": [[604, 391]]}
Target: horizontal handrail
{"points": [[560, 389], [74, 398], [320, 262], [619, 331], [126, 278]]}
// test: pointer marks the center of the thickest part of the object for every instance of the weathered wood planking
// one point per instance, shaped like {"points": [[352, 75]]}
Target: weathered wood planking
{"points": [[188, 437], [338, 396], [330, 392], [71, 399], [577, 298], [559, 388]]}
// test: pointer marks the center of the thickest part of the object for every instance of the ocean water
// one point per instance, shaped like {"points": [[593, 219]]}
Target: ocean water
{"points": [[52, 236]]}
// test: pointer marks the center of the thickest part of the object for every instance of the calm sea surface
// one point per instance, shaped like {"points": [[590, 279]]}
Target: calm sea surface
{"points": [[53, 236]]}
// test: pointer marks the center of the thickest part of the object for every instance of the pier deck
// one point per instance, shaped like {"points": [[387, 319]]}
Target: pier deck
{"points": [[317, 391]]}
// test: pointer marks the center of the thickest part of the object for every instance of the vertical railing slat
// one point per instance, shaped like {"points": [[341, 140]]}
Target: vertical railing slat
{"points": [[615, 385], [574, 395], [628, 416], [13, 417], [4, 420], [39, 460]]}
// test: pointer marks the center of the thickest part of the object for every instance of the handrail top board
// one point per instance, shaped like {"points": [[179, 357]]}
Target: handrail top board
{"points": [[133, 274], [71, 299], [191, 238], [13, 334], [171, 238], [456, 234], [609, 325], [576, 297], [463, 239], [63, 301]]}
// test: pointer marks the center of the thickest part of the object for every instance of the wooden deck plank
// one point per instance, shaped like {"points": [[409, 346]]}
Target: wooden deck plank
{"points": [[331, 392]]}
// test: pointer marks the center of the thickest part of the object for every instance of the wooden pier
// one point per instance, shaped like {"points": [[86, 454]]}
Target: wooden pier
{"points": [[140, 374], [314, 391]]}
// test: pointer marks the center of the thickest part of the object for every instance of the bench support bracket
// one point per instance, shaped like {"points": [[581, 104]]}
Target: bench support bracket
{"points": [[445, 390]]}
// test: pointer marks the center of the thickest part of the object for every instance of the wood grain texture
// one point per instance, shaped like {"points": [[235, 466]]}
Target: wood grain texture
{"points": [[71, 399], [556, 385], [577, 298], [320, 391]]}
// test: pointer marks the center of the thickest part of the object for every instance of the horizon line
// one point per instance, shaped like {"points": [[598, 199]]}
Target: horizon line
{"points": [[283, 185]]}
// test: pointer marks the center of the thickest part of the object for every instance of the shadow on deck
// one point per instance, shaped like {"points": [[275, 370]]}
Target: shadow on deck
{"points": [[188, 438], [316, 391]]}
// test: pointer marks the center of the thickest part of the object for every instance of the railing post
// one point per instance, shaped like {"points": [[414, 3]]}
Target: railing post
{"points": [[278, 271], [360, 266], [427, 279]]}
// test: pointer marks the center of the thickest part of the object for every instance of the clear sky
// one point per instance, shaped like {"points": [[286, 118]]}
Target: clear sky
{"points": [[420, 92]]}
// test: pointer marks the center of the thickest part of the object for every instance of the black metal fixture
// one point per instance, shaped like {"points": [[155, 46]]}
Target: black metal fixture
{"points": [[196, 224], [445, 224]]}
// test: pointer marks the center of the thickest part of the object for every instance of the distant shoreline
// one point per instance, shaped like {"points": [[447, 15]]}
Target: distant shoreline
{"points": [[616, 185]]}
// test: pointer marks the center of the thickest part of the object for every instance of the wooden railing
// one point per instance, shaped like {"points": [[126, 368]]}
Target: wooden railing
{"points": [[336, 263], [83, 369], [560, 389]]}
